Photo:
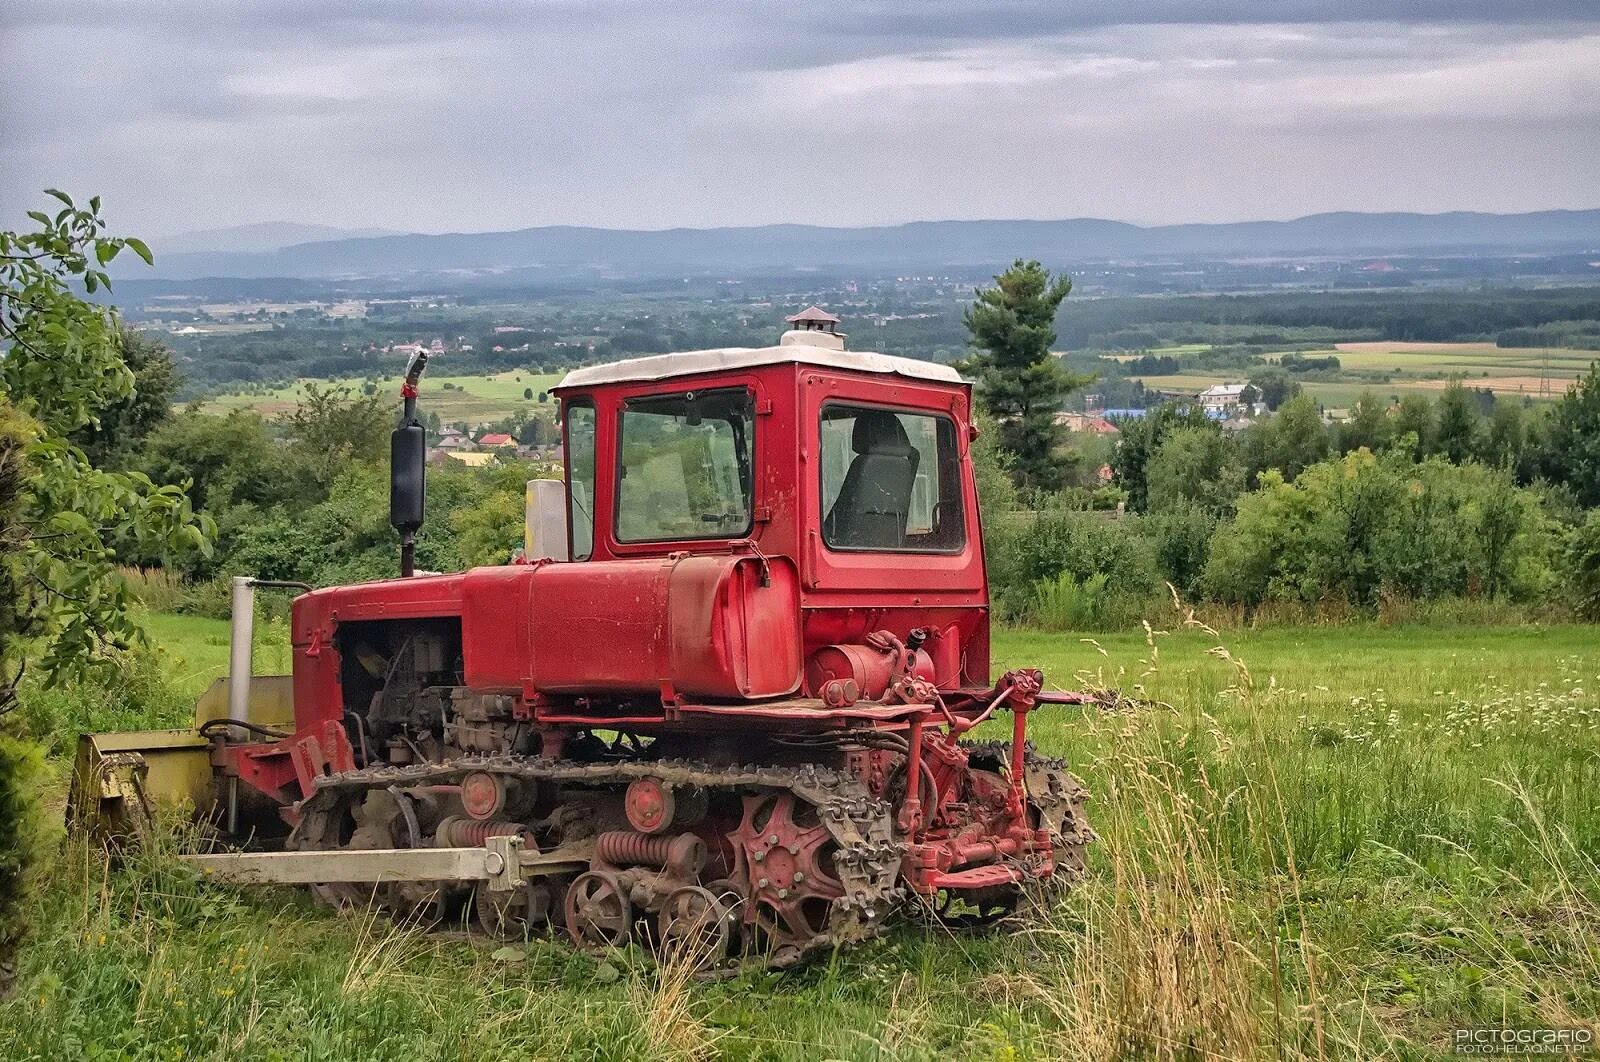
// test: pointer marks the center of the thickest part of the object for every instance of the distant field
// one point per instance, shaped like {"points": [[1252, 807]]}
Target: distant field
{"points": [[1534, 372], [469, 398], [1470, 359]]}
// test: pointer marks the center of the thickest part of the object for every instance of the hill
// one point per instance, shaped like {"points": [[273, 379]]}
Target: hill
{"points": [[553, 252]]}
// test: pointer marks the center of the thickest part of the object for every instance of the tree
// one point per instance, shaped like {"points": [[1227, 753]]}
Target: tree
{"points": [[1301, 438], [1194, 465], [1583, 559], [1020, 383], [1572, 446], [1289, 441], [1415, 418], [1274, 386], [1367, 427], [332, 427], [1456, 427], [63, 369], [1138, 442], [124, 424], [527, 393]]}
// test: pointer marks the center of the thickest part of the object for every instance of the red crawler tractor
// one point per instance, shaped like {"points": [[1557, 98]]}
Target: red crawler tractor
{"points": [[719, 701]]}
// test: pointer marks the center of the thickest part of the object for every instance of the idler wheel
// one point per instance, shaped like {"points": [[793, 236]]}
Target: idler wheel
{"points": [[650, 805], [483, 795], [501, 914], [599, 912], [694, 928]]}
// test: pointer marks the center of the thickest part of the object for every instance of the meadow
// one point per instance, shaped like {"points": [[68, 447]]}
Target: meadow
{"points": [[456, 399], [1315, 842]]}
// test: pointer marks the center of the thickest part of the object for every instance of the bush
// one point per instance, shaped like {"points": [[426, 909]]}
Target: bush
{"points": [[1181, 539], [133, 691], [1583, 560], [1065, 603], [1359, 527], [1026, 550], [20, 781]]}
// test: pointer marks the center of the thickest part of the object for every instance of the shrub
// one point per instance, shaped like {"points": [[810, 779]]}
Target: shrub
{"points": [[1065, 603], [1027, 549], [1181, 539], [1583, 559], [135, 692], [1358, 526]]}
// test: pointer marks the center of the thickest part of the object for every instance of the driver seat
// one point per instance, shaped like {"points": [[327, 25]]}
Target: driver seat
{"points": [[874, 502]]}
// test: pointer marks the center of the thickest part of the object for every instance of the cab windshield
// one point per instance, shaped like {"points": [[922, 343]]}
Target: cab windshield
{"points": [[684, 464]]}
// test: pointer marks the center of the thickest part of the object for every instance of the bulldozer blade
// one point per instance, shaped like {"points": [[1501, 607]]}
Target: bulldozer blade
{"points": [[120, 780]]}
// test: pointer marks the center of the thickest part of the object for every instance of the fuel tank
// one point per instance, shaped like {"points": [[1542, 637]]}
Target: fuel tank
{"points": [[711, 627]]}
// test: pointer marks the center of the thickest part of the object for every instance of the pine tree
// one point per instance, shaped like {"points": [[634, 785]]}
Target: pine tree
{"points": [[1019, 382]]}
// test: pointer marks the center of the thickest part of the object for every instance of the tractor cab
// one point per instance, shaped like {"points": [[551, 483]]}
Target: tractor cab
{"points": [[852, 468]]}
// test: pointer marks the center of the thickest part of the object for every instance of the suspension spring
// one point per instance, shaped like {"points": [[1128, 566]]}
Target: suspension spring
{"points": [[456, 832], [684, 854]]}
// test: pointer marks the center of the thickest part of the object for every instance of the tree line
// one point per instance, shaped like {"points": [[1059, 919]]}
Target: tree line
{"points": [[1424, 499]]}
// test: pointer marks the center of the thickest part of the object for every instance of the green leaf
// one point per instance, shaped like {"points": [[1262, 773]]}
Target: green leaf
{"points": [[105, 251], [59, 194], [40, 216], [137, 246], [508, 954]]}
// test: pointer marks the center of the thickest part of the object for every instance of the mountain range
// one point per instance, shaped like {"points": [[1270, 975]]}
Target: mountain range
{"points": [[562, 251]]}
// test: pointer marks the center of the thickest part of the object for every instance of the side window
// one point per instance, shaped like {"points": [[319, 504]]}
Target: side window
{"points": [[890, 481], [580, 478], [684, 466]]}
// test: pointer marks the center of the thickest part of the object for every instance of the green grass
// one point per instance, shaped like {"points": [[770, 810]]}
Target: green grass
{"points": [[469, 399], [1335, 842]]}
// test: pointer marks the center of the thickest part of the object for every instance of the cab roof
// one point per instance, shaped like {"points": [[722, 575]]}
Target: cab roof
{"points": [[726, 359]]}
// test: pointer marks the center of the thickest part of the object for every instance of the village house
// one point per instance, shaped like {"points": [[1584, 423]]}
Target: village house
{"points": [[1224, 399], [1086, 422]]}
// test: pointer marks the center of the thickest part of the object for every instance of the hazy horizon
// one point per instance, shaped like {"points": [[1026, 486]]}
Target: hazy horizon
{"points": [[467, 117]]}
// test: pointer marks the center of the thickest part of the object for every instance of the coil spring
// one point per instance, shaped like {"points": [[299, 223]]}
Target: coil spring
{"points": [[626, 848], [455, 832], [684, 854]]}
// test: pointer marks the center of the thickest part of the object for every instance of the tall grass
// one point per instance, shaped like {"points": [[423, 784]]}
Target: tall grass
{"points": [[1346, 847]]}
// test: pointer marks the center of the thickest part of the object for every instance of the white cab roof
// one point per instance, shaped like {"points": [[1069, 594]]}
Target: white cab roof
{"points": [[692, 362]]}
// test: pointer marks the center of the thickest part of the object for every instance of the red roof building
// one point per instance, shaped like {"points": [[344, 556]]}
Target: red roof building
{"points": [[495, 440]]}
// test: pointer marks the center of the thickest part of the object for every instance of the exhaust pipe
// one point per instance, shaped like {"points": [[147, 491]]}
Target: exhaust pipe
{"points": [[408, 462], [241, 645]]}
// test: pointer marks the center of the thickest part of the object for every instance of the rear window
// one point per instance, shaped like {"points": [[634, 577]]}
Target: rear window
{"points": [[891, 481]]}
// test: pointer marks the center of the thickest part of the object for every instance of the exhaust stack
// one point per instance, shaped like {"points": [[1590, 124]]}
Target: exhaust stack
{"points": [[408, 462]]}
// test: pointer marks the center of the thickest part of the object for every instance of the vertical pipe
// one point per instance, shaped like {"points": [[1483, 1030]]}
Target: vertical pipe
{"points": [[911, 810], [240, 646], [1017, 797]]}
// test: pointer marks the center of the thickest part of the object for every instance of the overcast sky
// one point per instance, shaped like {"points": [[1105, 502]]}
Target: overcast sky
{"points": [[456, 115]]}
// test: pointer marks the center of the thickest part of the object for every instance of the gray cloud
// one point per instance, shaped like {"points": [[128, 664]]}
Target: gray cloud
{"points": [[458, 115]]}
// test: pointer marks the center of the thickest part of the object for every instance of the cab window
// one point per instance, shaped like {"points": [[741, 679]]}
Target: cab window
{"points": [[580, 478], [891, 481], [684, 466]]}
